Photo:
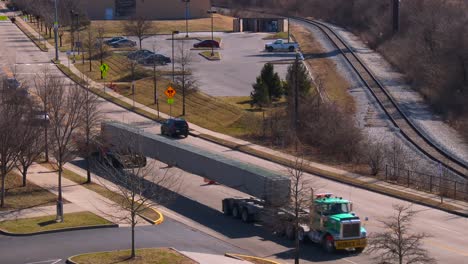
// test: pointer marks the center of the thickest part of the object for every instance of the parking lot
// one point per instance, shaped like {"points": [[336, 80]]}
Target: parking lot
{"points": [[242, 58]]}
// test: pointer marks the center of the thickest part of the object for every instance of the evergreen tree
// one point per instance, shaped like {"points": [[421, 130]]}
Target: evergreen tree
{"points": [[303, 80], [260, 96], [272, 81]]}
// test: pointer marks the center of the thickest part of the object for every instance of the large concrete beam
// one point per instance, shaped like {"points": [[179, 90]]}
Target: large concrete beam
{"points": [[248, 178]]}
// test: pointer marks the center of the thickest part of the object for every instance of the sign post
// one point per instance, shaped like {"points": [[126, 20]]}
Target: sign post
{"points": [[104, 68], [170, 93], [133, 93]]}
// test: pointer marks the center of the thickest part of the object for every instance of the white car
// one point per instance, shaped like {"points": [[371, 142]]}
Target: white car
{"points": [[280, 45]]}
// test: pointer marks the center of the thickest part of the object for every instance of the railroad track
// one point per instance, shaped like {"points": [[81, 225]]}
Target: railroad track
{"points": [[391, 108]]}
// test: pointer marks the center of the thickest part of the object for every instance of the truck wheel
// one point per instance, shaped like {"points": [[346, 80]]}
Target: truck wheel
{"points": [[358, 250], [270, 49], [246, 217], [291, 49], [235, 212], [226, 208], [290, 232], [301, 234], [328, 244]]}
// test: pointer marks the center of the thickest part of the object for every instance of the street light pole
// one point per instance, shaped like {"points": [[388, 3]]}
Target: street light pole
{"points": [[396, 16], [211, 12], [186, 16], [173, 68], [56, 31]]}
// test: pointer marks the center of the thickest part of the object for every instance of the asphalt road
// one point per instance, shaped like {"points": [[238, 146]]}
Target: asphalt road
{"points": [[60, 246], [201, 204]]}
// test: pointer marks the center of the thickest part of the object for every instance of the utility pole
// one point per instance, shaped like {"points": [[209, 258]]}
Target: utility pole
{"points": [[296, 101], [211, 12], [56, 31], [173, 68], [396, 16], [186, 16]]}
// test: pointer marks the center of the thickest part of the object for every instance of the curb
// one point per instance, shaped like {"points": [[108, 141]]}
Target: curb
{"points": [[157, 222], [241, 257], [6, 233], [184, 255], [319, 172]]}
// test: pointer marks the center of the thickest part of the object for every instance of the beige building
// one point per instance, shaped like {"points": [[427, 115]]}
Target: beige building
{"points": [[151, 9]]}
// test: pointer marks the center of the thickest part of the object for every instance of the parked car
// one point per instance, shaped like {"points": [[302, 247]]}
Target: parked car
{"points": [[175, 127], [159, 59], [114, 39], [39, 118], [207, 44], [280, 45], [139, 54], [123, 43]]}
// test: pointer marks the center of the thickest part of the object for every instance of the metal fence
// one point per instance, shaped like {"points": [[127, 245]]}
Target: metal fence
{"points": [[442, 184]]}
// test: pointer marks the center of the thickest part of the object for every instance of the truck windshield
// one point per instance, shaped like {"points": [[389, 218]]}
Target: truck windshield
{"points": [[337, 208]]}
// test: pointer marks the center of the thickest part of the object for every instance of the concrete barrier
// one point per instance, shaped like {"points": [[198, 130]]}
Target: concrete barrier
{"points": [[248, 178]]}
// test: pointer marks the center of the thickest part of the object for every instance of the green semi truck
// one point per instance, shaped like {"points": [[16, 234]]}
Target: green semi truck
{"points": [[329, 221]]}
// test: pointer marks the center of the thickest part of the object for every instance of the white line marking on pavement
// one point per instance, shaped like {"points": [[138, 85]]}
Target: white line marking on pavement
{"points": [[51, 261], [347, 260]]}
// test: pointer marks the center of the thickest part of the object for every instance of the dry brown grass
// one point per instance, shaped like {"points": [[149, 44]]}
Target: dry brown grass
{"points": [[143, 256], [336, 86], [18, 197]]}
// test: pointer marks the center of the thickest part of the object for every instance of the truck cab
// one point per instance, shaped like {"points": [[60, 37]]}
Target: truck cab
{"points": [[335, 226]]}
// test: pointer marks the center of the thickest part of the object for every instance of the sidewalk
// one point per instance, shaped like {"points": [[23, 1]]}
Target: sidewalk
{"points": [[197, 130], [78, 195], [204, 258]]}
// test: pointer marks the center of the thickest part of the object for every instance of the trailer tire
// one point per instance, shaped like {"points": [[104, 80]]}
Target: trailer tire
{"points": [[226, 208], [328, 244], [290, 232], [245, 216], [236, 212]]}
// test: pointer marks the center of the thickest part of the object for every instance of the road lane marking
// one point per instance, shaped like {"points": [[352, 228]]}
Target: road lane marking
{"points": [[347, 260], [50, 261], [451, 249]]}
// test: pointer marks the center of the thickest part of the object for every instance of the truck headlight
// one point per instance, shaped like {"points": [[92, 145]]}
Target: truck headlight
{"points": [[363, 234]]}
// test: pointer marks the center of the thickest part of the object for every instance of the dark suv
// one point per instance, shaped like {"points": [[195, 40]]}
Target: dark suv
{"points": [[175, 127]]}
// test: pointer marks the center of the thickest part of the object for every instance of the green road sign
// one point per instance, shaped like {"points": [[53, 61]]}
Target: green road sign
{"points": [[170, 101]]}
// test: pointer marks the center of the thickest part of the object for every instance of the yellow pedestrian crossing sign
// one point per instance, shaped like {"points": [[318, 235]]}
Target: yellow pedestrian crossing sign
{"points": [[104, 68]]}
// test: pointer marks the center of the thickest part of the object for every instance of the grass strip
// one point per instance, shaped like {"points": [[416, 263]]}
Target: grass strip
{"points": [[278, 35], [207, 55], [31, 36], [18, 197], [3, 18], [47, 223], [108, 97], [113, 196], [143, 256], [335, 176]]}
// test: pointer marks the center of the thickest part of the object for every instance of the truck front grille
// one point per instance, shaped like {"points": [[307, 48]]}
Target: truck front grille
{"points": [[351, 230]]}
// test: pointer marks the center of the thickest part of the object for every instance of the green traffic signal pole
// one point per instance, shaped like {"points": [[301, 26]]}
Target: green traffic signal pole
{"points": [[56, 32]]}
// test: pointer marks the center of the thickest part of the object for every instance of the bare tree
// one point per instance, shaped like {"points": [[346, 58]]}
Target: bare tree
{"points": [[42, 82], [91, 119], [137, 26], [90, 45], [185, 81], [374, 154], [101, 48], [300, 201], [155, 64], [138, 187], [397, 244], [66, 113], [30, 134], [11, 114]]}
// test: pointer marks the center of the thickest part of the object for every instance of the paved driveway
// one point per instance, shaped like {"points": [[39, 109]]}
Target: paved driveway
{"points": [[242, 60]]}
